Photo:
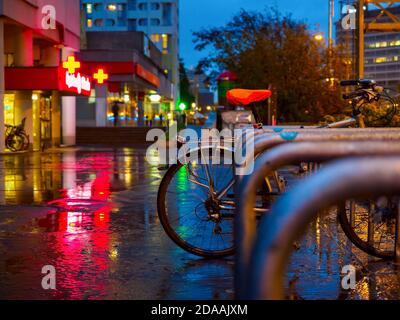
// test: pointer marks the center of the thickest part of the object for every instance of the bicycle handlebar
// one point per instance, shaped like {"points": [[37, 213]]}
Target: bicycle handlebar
{"points": [[364, 83]]}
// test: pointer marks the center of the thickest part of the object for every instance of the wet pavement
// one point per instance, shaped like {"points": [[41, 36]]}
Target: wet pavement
{"points": [[91, 213]]}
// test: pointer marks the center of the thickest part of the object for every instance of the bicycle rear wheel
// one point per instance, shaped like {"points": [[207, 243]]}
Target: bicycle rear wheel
{"points": [[370, 225], [189, 210]]}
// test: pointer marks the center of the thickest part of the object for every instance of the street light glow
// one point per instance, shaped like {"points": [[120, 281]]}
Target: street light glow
{"points": [[319, 37], [155, 98]]}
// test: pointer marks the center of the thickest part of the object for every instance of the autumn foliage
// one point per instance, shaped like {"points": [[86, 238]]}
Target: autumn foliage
{"points": [[267, 49]]}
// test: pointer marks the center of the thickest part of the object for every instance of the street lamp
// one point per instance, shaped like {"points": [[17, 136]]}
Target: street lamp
{"points": [[319, 37]]}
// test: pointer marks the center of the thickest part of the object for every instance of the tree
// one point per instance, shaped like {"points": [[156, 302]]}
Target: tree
{"points": [[186, 96], [266, 48]]}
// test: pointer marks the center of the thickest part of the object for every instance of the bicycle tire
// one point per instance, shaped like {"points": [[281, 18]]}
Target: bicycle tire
{"points": [[26, 141], [10, 143], [170, 231], [355, 238]]}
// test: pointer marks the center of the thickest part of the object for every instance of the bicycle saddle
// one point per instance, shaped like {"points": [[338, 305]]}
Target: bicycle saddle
{"points": [[244, 97]]}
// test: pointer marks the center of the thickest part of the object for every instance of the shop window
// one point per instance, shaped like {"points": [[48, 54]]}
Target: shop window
{"points": [[9, 109], [9, 60]]}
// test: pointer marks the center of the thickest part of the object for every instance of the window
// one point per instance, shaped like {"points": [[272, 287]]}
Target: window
{"points": [[165, 43], [99, 23], [98, 7], [143, 22], [110, 22], [131, 4], [89, 8], [167, 14], [142, 6], [112, 7], [155, 22], [89, 23], [155, 38], [8, 59], [155, 6], [132, 24]]}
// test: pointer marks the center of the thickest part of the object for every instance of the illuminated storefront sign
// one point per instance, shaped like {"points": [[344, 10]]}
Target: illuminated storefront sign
{"points": [[78, 82], [71, 64], [100, 76], [49, 78]]}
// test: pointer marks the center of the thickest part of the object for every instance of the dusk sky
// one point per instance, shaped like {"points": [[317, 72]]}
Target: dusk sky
{"points": [[196, 14]]}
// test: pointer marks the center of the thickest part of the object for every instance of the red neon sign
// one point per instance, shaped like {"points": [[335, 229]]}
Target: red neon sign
{"points": [[100, 76], [75, 82]]}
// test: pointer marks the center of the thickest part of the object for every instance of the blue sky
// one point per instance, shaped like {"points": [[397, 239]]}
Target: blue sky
{"points": [[196, 14]]}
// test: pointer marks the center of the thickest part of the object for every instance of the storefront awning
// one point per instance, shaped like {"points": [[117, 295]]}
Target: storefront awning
{"points": [[47, 78], [122, 68]]}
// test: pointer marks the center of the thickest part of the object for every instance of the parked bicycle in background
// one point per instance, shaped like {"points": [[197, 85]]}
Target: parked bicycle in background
{"points": [[16, 138]]}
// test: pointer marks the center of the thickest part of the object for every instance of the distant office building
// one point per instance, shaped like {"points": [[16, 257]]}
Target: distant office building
{"points": [[382, 51], [200, 88], [158, 19]]}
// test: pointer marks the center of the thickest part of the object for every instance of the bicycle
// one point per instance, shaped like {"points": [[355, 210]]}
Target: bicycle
{"points": [[195, 201], [16, 138]]}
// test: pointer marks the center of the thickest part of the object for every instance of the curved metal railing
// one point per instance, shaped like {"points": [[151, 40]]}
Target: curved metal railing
{"points": [[290, 216]]}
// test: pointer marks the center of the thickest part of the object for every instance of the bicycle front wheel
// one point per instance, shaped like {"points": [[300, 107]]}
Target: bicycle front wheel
{"points": [[195, 205], [15, 143]]}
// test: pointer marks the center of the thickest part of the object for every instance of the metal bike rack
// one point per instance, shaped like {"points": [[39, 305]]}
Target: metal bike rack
{"points": [[286, 154], [264, 140], [337, 182]]}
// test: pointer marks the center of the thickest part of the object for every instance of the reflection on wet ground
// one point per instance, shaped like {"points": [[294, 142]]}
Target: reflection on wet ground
{"points": [[92, 215]]}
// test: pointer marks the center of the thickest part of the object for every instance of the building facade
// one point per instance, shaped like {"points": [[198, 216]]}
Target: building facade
{"points": [[36, 38], [132, 78], [158, 19], [382, 51]]}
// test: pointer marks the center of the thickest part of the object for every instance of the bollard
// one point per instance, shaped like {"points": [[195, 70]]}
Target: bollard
{"points": [[337, 182]]}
